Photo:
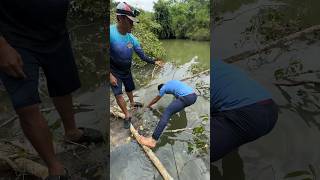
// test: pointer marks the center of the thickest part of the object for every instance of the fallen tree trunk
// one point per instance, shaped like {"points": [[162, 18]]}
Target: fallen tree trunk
{"points": [[272, 45], [116, 113], [157, 163], [184, 79], [31, 167], [295, 83], [24, 165], [198, 74]]}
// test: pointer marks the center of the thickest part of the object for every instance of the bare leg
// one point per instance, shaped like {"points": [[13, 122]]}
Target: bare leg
{"points": [[130, 96], [122, 103], [64, 106], [37, 131]]}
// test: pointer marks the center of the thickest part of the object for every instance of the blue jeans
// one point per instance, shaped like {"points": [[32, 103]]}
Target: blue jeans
{"points": [[174, 107], [232, 128]]}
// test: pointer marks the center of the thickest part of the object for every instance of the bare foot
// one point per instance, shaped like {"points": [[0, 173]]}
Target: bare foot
{"points": [[148, 141]]}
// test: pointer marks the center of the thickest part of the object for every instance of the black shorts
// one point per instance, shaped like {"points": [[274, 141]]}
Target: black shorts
{"points": [[127, 81], [59, 68]]}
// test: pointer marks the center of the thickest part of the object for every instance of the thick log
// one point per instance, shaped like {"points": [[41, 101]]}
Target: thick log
{"points": [[272, 45], [24, 165], [116, 113], [157, 163], [31, 167], [184, 79]]}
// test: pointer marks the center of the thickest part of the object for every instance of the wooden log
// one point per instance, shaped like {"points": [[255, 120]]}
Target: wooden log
{"points": [[184, 79], [24, 165], [157, 163], [116, 112], [198, 74], [31, 167], [296, 83], [272, 45], [177, 130]]}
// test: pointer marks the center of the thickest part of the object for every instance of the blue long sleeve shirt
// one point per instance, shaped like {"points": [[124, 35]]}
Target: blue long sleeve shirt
{"points": [[121, 51]]}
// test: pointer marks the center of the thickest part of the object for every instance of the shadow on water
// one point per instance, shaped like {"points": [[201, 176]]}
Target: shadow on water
{"points": [[128, 161], [291, 150]]}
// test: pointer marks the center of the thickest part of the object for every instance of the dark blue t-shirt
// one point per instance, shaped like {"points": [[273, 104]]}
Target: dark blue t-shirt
{"points": [[231, 88], [39, 25]]}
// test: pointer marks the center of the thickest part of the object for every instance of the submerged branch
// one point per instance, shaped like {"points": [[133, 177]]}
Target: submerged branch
{"points": [[296, 83], [272, 45]]}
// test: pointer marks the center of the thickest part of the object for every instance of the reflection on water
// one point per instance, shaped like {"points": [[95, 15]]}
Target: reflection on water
{"points": [[181, 51], [291, 150]]}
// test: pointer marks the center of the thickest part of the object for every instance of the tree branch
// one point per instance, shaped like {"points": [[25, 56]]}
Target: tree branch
{"points": [[272, 45]]}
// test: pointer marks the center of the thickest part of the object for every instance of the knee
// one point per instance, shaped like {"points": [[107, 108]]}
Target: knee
{"points": [[119, 97], [30, 115]]}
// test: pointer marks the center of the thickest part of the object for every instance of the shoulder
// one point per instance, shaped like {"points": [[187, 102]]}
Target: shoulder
{"points": [[113, 29], [134, 39]]}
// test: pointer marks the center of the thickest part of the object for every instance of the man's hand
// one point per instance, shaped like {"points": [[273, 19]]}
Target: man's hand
{"points": [[159, 62], [113, 80], [10, 60]]}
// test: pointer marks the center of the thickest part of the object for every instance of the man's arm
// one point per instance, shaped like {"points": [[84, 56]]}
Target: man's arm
{"points": [[138, 49], [154, 100], [113, 80]]}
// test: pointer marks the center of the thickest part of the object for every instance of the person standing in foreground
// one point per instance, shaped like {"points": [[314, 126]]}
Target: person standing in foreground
{"points": [[185, 97], [122, 45], [33, 34], [241, 110]]}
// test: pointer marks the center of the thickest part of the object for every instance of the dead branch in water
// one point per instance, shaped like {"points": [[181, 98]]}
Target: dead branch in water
{"points": [[272, 45], [296, 83]]}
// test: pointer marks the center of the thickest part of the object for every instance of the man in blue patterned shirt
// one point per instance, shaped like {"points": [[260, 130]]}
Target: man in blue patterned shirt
{"points": [[122, 45]]}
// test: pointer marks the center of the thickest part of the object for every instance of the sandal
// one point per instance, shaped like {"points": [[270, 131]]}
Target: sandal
{"points": [[89, 135], [137, 104], [126, 123]]}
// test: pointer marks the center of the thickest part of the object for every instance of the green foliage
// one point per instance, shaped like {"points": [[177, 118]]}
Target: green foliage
{"points": [[188, 19], [164, 18], [200, 140], [90, 9]]}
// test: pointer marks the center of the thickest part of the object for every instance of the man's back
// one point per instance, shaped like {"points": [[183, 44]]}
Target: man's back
{"points": [[231, 88], [176, 88]]}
